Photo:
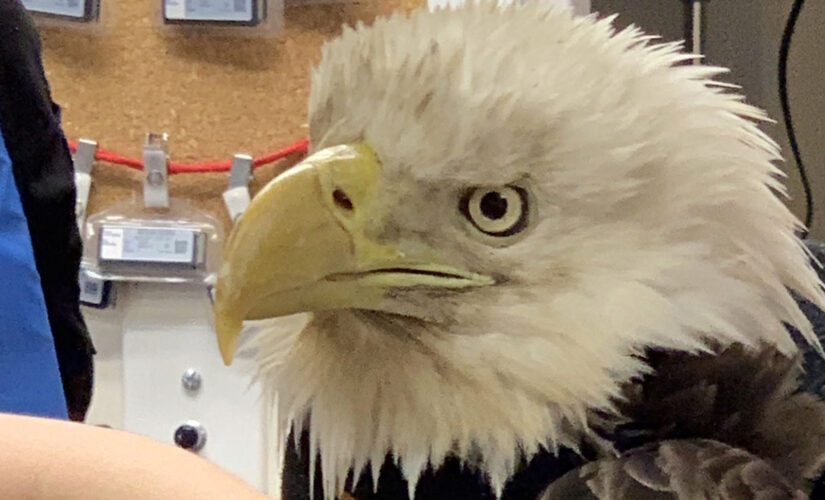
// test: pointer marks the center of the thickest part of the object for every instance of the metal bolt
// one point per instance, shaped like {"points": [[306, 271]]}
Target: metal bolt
{"points": [[155, 178], [191, 380], [191, 435]]}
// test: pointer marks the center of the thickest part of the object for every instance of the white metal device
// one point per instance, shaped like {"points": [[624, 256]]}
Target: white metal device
{"points": [[177, 390], [78, 10], [227, 11]]}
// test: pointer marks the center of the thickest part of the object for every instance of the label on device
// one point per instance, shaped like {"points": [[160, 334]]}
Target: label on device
{"points": [[210, 10], [80, 9], [164, 245]]}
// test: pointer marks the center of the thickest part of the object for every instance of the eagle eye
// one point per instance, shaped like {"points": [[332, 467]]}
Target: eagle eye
{"points": [[496, 211]]}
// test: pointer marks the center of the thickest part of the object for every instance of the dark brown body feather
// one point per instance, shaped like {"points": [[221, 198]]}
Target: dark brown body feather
{"points": [[683, 469], [730, 425]]}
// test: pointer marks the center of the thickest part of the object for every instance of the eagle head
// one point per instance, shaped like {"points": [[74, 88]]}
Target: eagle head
{"points": [[503, 208]]}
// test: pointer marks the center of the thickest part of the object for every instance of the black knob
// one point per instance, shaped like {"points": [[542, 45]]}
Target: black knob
{"points": [[190, 436]]}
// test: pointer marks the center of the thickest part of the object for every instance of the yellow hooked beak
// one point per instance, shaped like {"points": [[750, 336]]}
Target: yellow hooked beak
{"points": [[301, 246]]}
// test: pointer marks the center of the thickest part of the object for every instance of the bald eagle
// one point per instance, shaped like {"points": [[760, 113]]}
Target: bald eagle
{"points": [[543, 259]]}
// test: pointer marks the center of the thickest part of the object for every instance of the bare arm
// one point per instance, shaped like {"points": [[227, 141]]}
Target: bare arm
{"points": [[44, 459]]}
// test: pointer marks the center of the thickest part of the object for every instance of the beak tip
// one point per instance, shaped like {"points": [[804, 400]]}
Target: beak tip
{"points": [[227, 354], [227, 333]]}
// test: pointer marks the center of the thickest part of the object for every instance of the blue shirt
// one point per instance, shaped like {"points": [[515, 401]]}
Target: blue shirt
{"points": [[29, 376]]}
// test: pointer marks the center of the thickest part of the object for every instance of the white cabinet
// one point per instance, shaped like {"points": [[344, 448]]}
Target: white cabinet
{"points": [[161, 331]]}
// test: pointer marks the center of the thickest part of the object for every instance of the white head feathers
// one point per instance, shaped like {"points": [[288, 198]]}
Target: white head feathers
{"points": [[657, 224]]}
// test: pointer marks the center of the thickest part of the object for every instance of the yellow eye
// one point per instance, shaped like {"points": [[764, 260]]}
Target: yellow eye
{"points": [[496, 211]]}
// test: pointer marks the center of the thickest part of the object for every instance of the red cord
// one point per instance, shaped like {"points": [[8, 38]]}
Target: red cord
{"points": [[301, 146]]}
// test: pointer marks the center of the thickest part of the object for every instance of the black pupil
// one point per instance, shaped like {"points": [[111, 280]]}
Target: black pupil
{"points": [[493, 205]]}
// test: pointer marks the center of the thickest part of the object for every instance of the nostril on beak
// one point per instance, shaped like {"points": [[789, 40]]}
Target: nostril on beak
{"points": [[342, 200]]}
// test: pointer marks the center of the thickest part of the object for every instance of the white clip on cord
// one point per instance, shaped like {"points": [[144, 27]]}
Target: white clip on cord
{"points": [[84, 160], [236, 197], [156, 171]]}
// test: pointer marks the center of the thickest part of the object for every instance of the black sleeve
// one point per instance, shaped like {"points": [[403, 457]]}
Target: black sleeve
{"points": [[44, 176]]}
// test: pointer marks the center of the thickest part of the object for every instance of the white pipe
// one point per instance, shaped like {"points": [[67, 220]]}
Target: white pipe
{"points": [[696, 25]]}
